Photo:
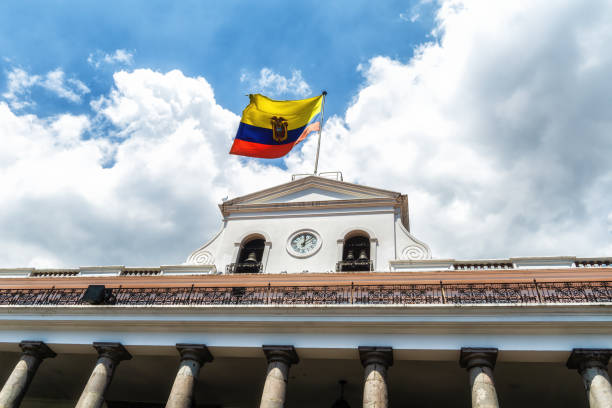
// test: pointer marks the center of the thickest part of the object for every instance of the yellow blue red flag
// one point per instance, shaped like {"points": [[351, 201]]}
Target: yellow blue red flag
{"points": [[269, 129]]}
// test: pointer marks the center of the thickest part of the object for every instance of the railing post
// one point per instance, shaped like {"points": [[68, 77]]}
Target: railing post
{"points": [[352, 292], [443, 293], [535, 283], [268, 294]]}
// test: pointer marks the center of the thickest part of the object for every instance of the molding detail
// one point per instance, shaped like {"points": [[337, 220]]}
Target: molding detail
{"points": [[376, 355], [201, 257], [415, 252], [195, 352], [36, 349], [283, 354], [583, 358], [477, 357], [114, 351]]}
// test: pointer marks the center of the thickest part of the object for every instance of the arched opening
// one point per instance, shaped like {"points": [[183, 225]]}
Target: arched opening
{"points": [[355, 254], [250, 256]]}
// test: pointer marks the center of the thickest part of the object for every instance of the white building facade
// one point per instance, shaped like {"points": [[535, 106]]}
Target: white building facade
{"points": [[308, 284]]}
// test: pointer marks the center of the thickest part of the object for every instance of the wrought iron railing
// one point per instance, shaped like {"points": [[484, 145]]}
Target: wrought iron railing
{"points": [[355, 265], [244, 267], [410, 294]]}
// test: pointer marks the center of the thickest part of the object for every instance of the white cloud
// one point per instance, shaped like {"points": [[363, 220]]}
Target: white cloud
{"points": [[499, 133], [119, 57], [413, 14], [273, 84], [63, 208], [20, 83], [71, 89]]}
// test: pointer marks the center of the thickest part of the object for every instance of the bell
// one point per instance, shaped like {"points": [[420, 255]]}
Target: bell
{"points": [[363, 256], [252, 257], [350, 256]]}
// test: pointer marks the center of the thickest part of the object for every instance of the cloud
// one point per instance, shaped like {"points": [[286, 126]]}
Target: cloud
{"points": [[61, 206], [413, 14], [498, 132], [20, 83], [273, 84], [120, 57]]}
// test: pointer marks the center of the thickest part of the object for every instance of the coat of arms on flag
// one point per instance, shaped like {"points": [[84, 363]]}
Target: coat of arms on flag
{"points": [[270, 129]]}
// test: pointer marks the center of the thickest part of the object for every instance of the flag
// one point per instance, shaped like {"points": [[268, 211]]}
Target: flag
{"points": [[269, 129]]}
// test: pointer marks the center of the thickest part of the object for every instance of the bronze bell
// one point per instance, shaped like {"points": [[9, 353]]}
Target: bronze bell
{"points": [[252, 257], [362, 255], [350, 256]]}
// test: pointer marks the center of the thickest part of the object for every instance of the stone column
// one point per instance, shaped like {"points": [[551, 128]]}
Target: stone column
{"points": [[193, 357], [375, 360], [280, 359], [33, 353], [480, 363], [592, 364], [109, 356]]}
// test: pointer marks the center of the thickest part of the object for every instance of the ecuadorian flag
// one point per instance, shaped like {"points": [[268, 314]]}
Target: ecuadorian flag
{"points": [[269, 129]]}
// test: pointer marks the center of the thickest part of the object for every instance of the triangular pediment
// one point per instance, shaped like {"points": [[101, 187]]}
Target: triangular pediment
{"points": [[311, 189]]}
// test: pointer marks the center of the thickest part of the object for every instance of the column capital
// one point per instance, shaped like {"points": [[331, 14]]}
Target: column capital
{"points": [[478, 357], [36, 349], [195, 352], [583, 358], [114, 351], [283, 354], [376, 355]]}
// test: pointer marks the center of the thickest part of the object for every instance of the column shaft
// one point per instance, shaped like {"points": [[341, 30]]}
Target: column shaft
{"points": [[193, 356], [375, 393], [483, 388], [592, 364], [598, 388], [16, 385], [110, 354], [100, 378], [480, 363], [375, 361], [280, 359]]}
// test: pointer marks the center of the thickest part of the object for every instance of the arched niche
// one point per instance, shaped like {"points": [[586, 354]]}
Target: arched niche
{"points": [[250, 254], [357, 250]]}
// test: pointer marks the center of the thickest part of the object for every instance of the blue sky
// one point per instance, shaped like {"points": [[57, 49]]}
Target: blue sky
{"points": [[116, 119], [325, 41]]}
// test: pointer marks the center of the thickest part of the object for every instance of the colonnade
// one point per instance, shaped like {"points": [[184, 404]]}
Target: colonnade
{"points": [[591, 364]]}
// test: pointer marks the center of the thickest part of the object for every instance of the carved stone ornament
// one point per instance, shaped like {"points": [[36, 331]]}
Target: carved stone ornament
{"points": [[195, 352], [113, 351], [477, 357], [201, 257], [376, 355], [581, 359], [415, 252], [36, 349], [283, 354]]}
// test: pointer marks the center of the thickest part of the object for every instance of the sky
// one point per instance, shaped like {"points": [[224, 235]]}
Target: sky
{"points": [[116, 119]]}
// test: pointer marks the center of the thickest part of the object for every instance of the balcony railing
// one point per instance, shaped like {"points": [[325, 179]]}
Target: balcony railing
{"points": [[355, 266], [244, 267], [442, 293]]}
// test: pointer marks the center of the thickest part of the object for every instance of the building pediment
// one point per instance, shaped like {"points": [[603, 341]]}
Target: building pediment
{"points": [[312, 191]]}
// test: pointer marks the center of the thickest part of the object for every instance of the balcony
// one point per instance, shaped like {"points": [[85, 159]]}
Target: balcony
{"points": [[526, 293]]}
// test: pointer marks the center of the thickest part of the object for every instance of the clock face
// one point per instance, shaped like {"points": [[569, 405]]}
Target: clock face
{"points": [[304, 243]]}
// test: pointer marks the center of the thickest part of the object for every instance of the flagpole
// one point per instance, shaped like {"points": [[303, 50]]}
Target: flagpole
{"points": [[320, 130]]}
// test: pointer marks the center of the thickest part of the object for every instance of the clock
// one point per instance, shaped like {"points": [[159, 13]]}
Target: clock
{"points": [[303, 243]]}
